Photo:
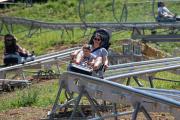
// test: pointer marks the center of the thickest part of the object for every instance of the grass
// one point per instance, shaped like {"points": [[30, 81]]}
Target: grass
{"points": [[168, 85], [161, 84], [43, 40], [40, 95], [67, 11], [43, 95]]}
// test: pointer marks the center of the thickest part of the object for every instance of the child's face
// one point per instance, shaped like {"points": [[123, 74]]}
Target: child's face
{"points": [[86, 52]]}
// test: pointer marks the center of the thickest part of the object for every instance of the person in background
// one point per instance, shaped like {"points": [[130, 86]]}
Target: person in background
{"points": [[163, 11], [11, 47]]}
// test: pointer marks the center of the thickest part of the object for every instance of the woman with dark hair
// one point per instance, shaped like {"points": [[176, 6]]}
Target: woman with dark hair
{"points": [[100, 52], [11, 47], [14, 53], [97, 50], [99, 43]]}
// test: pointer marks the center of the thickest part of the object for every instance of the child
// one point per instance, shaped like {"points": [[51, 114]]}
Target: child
{"points": [[87, 59]]}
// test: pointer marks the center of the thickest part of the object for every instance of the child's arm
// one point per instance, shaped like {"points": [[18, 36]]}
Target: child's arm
{"points": [[91, 63], [79, 57], [74, 55]]}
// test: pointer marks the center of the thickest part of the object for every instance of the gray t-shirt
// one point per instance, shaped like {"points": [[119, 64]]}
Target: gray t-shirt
{"points": [[163, 11], [102, 52]]}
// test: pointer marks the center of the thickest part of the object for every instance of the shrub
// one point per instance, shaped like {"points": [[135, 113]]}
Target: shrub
{"points": [[27, 98]]}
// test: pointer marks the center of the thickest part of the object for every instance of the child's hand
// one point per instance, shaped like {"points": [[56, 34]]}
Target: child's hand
{"points": [[90, 63], [106, 66]]}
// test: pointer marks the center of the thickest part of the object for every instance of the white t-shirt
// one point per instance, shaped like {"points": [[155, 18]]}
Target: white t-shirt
{"points": [[87, 59], [163, 11]]}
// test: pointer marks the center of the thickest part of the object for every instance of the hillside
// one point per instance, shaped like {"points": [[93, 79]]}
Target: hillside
{"points": [[34, 102], [61, 11]]}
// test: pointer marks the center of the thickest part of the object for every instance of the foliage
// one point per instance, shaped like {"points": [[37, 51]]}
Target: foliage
{"points": [[67, 11], [26, 98], [37, 95]]}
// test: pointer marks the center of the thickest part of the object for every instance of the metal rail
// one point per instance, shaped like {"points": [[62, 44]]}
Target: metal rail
{"points": [[42, 60], [8, 80], [145, 70], [148, 62], [47, 59], [58, 52], [140, 72], [173, 93], [106, 25], [9, 85], [140, 68], [95, 88]]}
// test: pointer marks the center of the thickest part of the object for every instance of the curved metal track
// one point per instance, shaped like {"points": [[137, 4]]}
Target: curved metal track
{"points": [[45, 60], [142, 100], [107, 25], [143, 69]]}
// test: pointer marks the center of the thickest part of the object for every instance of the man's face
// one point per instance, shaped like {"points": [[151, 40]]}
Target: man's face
{"points": [[86, 52]]}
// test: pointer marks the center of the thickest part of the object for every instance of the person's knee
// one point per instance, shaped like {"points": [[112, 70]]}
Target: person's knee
{"points": [[95, 67], [97, 63]]}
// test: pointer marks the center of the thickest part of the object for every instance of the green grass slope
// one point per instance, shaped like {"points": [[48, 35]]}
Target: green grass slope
{"points": [[45, 40], [68, 11]]}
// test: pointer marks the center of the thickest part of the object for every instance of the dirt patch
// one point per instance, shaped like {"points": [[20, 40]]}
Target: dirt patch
{"points": [[25, 113], [34, 113]]}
